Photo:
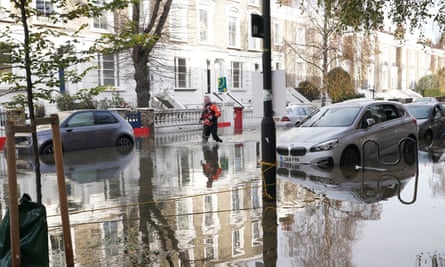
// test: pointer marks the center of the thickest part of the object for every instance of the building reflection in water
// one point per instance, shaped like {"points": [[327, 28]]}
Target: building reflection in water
{"points": [[153, 206]]}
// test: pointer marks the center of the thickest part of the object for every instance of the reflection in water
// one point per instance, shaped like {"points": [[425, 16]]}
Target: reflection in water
{"points": [[210, 165], [152, 207]]}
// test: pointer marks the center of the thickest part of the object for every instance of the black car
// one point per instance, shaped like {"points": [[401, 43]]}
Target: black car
{"points": [[430, 118]]}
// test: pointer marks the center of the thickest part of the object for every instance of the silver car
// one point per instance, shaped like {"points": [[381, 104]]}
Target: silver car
{"points": [[295, 114], [82, 129], [346, 133], [430, 119]]}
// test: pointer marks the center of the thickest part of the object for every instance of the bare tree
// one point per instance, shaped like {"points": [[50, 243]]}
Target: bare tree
{"points": [[139, 33], [329, 42]]}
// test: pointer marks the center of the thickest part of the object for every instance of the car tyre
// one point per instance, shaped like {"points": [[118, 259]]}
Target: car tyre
{"points": [[409, 148], [124, 144], [47, 149], [350, 158]]}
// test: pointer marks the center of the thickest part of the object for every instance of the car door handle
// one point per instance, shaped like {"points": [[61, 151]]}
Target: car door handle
{"points": [[69, 130]]}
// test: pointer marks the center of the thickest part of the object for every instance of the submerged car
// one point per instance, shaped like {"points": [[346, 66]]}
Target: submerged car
{"points": [[82, 129], [430, 119], [352, 133], [295, 114]]}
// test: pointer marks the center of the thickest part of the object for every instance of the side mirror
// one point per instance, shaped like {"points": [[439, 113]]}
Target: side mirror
{"points": [[370, 122]]}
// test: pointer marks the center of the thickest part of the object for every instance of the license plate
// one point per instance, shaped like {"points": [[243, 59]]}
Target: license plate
{"points": [[289, 159]]}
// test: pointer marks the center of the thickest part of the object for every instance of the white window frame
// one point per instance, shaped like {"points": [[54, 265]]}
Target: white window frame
{"points": [[277, 34], [300, 35], [177, 73], [178, 22], [255, 3], [233, 31], [236, 75], [238, 242], [300, 71], [45, 3], [104, 74], [204, 26], [102, 23]]}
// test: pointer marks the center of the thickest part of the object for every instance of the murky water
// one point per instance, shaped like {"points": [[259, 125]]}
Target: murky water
{"points": [[175, 202]]}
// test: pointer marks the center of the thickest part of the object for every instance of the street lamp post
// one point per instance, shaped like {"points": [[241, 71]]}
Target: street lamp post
{"points": [[268, 136]]}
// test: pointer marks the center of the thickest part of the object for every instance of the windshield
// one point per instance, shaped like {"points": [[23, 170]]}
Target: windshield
{"points": [[420, 112], [298, 111], [333, 117]]}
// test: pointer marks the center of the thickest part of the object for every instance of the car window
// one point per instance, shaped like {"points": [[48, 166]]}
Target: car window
{"points": [[104, 117], [81, 119], [333, 117], [391, 112], [419, 112]]}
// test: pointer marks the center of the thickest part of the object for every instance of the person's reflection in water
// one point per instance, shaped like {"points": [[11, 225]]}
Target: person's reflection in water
{"points": [[210, 165]]}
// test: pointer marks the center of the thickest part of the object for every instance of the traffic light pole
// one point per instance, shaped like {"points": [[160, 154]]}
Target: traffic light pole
{"points": [[268, 136]]}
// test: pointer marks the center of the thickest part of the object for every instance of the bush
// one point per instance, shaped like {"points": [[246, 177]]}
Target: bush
{"points": [[340, 85], [432, 92], [308, 90], [82, 100], [427, 82]]}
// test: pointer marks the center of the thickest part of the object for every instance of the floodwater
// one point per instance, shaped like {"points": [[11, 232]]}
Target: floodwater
{"points": [[175, 202]]}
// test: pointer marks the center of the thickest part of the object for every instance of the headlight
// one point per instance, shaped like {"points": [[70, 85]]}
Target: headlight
{"points": [[325, 146]]}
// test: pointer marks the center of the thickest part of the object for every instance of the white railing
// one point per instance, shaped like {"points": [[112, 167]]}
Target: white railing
{"points": [[176, 118]]}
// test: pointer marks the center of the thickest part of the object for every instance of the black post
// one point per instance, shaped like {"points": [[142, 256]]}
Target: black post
{"points": [[268, 138]]}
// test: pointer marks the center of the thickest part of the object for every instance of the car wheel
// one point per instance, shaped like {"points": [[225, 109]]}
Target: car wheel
{"points": [[428, 137], [124, 144], [409, 148], [47, 149], [350, 158]]}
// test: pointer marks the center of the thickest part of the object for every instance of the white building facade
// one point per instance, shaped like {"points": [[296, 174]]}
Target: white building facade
{"points": [[208, 42]]}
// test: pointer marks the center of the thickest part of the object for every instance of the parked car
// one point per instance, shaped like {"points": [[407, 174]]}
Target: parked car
{"points": [[430, 119], [350, 133], [295, 114], [82, 129]]}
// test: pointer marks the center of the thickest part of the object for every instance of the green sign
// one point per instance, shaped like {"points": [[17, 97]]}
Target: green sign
{"points": [[222, 84]]}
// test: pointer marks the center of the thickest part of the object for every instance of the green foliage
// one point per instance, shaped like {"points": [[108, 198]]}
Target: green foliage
{"points": [[432, 92], [116, 101], [427, 82], [84, 99], [308, 90], [340, 85]]}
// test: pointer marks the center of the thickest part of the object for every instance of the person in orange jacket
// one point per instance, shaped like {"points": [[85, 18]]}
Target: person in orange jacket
{"points": [[209, 119]]}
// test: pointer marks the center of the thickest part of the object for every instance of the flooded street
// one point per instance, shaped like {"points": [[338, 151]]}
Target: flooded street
{"points": [[175, 202]]}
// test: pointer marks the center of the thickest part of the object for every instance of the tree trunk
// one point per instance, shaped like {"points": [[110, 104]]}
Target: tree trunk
{"points": [[141, 75]]}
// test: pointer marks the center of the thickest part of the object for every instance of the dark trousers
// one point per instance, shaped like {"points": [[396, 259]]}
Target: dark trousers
{"points": [[210, 129]]}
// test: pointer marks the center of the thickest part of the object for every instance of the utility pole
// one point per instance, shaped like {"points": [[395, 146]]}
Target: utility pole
{"points": [[268, 136]]}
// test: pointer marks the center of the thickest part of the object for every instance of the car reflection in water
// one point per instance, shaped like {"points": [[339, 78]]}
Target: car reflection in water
{"points": [[91, 165], [368, 186]]}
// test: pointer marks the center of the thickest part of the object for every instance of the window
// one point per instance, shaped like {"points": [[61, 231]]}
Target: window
{"points": [[233, 28], [391, 112], [237, 75], [101, 22], [105, 117], [178, 23], [203, 26], [5, 62], [300, 70], [277, 34], [108, 71], [237, 243], [182, 75], [81, 119], [300, 36], [44, 7]]}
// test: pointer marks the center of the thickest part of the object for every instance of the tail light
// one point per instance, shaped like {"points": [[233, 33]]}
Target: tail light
{"points": [[285, 118], [415, 121]]}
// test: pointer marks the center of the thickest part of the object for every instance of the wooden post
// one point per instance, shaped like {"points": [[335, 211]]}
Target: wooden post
{"points": [[14, 224], [58, 157]]}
